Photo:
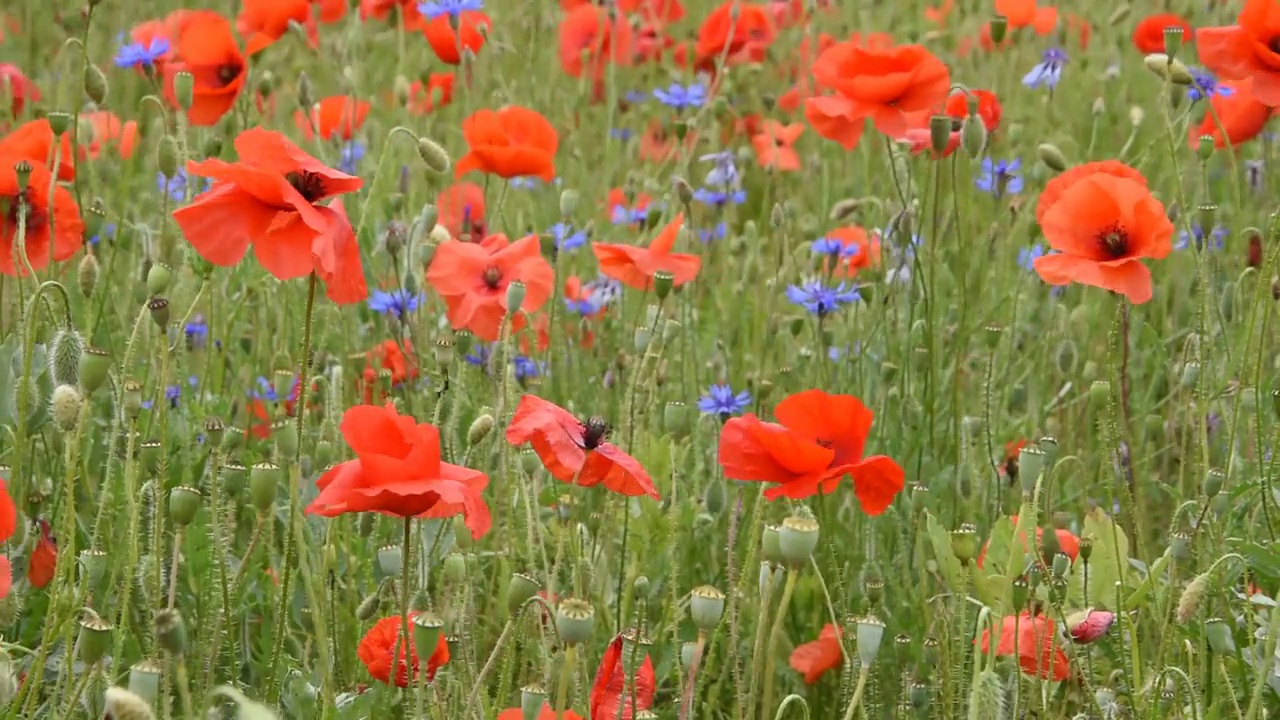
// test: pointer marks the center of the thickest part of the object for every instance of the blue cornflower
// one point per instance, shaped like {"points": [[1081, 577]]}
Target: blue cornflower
{"points": [[527, 369], [1000, 177], [1216, 238], [682, 97], [594, 296], [479, 355], [833, 247], [1027, 256], [196, 332], [399, 302], [176, 186], [623, 215], [131, 55], [529, 182], [820, 299], [1049, 71], [350, 157], [566, 237], [716, 232], [266, 390], [724, 173], [107, 232], [635, 97], [719, 198], [1205, 85], [623, 134], [720, 400], [453, 8]]}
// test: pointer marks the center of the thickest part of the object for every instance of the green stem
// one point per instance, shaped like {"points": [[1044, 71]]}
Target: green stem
{"points": [[856, 701], [775, 634], [566, 672]]}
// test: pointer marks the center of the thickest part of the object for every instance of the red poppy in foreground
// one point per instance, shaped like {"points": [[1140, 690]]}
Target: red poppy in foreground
{"points": [[818, 440], [398, 471], [1103, 221], [611, 690], [815, 658], [8, 526], [474, 278], [511, 142], [385, 638], [270, 199], [1032, 640], [52, 228], [636, 267], [576, 452], [1248, 50]]}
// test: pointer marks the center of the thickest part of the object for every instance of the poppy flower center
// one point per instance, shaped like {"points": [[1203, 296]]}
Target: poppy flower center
{"points": [[492, 277], [593, 432], [1274, 44], [14, 207], [1114, 242], [228, 72], [308, 184]]}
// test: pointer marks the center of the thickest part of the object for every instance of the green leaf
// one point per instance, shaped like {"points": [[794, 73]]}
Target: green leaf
{"points": [[8, 380], [997, 551], [1139, 595], [994, 591], [948, 565], [1108, 564]]}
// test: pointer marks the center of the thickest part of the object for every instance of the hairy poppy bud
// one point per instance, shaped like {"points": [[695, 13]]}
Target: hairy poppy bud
{"points": [[65, 351], [574, 621], [684, 191], [1192, 595], [433, 155], [64, 407], [303, 91], [480, 429], [121, 704], [1168, 68], [171, 631], [87, 273], [1052, 157], [95, 83]]}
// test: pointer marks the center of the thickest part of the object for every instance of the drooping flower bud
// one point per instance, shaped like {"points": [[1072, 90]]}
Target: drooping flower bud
{"points": [[434, 156], [519, 590], [65, 350]]}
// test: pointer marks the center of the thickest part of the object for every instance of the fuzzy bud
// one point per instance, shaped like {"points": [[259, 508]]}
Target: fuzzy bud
{"points": [[434, 156], [168, 157], [121, 704], [1052, 157], [684, 191], [87, 274], [1192, 595], [480, 429], [64, 407], [65, 351], [939, 133], [987, 697], [1167, 68], [95, 83], [973, 136], [171, 631]]}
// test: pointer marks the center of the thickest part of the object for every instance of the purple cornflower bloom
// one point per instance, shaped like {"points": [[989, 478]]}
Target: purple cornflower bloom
{"points": [[1205, 85], [719, 198], [108, 232], [1216, 238], [594, 296], [682, 97], [724, 174], [176, 186], [566, 237], [721, 400], [137, 55], [820, 299], [527, 369], [717, 232], [1000, 177], [834, 248], [350, 157], [453, 8], [197, 333], [1049, 70], [1028, 256], [398, 302]]}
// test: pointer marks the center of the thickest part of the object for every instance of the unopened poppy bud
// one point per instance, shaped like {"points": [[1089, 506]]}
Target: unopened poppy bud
{"points": [[797, 539], [1192, 595], [184, 85], [87, 273], [964, 543], [480, 428], [515, 296], [171, 631], [159, 309], [939, 133], [519, 590], [454, 568], [771, 544], [973, 137], [158, 278], [706, 607], [303, 90], [184, 503], [94, 639], [640, 587], [574, 621], [65, 350], [64, 407], [870, 633], [999, 26], [1051, 156], [777, 216], [1167, 68], [684, 191], [1190, 374], [1218, 632], [264, 481], [1172, 40], [390, 560], [1099, 394], [368, 607], [95, 83], [121, 704], [433, 155], [532, 700], [677, 419], [715, 497], [568, 203]]}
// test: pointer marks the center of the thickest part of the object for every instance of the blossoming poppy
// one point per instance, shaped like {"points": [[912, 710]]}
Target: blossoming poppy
{"points": [[52, 228], [854, 248], [1028, 13], [377, 647], [1248, 50], [203, 44], [815, 658], [430, 95], [106, 130], [1235, 117], [8, 526], [774, 146], [34, 141], [19, 88], [591, 40], [636, 266], [263, 22], [1103, 221], [43, 562], [270, 199], [1031, 638], [473, 279], [818, 440], [511, 142], [612, 694], [388, 356], [398, 471], [450, 36], [461, 211], [1148, 34], [938, 15], [886, 85], [735, 32], [576, 452], [546, 713], [333, 117]]}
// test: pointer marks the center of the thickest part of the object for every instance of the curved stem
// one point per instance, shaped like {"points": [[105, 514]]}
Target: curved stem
{"points": [[856, 701]]}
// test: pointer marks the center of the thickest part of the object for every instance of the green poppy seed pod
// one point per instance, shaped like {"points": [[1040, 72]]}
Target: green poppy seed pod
{"points": [[95, 83], [1019, 592], [870, 633], [715, 497], [87, 273], [515, 296], [158, 278], [168, 156], [427, 628], [434, 156], [171, 631], [184, 85], [65, 350], [532, 700], [688, 654], [1190, 375], [64, 407], [574, 621], [444, 352], [1205, 215], [264, 481], [1031, 463], [233, 476], [635, 648], [184, 503], [1205, 147], [771, 544], [999, 27], [1051, 156], [677, 419], [1218, 633], [59, 122], [282, 383], [646, 715], [663, 281], [640, 338], [797, 539], [530, 461], [390, 560], [149, 454], [939, 133], [706, 607], [285, 435], [973, 137], [1099, 394], [1192, 596], [212, 146], [454, 568], [519, 590], [159, 309], [121, 704], [1061, 564], [94, 639], [144, 680], [568, 203], [213, 430], [964, 543], [93, 565], [1213, 481]]}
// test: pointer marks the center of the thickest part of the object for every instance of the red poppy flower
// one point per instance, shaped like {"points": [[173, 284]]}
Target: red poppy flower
{"points": [[333, 117], [388, 356], [1088, 626], [461, 211], [774, 146], [473, 280], [398, 471], [1148, 34], [472, 27], [576, 452], [546, 713], [53, 228], [1027, 13], [659, 143], [269, 199], [435, 93], [263, 22], [1033, 641], [385, 638], [818, 440], [591, 40], [1012, 450], [860, 250], [938, 15], [203, 44], [18, 88], [1239, 114], [511, 142], [611, 694], [1248, 50], [1103, 223], [636, 267], [1068, 543], [34, 141], [8, 525], [43, 561], [815, 658], [732, 33], [106, 130], [381, 9]]}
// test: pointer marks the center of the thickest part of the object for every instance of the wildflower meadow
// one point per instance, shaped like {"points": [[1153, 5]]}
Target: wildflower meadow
{"points": [[573, 360]]}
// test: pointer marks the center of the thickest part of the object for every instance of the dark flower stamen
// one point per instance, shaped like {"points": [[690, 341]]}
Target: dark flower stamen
{"points": [[13, 206], [492, 277], [1115, 242], [228, 73], [308, 184], [593, 432]]}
